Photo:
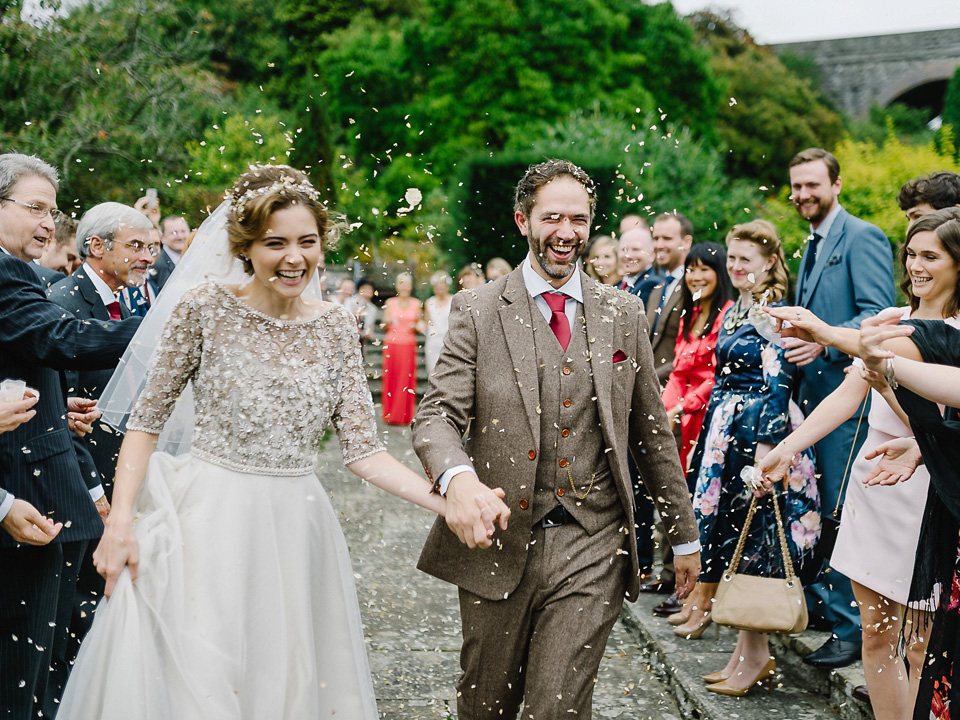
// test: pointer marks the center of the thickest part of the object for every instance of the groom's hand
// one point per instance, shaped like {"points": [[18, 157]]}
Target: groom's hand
{"points": [[687, 568], [473, 509]]}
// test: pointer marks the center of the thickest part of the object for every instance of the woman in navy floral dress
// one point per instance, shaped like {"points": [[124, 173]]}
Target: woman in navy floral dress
{"points": [[750, 412]]}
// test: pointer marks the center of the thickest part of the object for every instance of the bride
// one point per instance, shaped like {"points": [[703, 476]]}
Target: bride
{"points": [[230, 589]]}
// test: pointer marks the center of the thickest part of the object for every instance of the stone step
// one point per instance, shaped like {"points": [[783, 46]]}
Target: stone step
{"points": [[800, 692]]}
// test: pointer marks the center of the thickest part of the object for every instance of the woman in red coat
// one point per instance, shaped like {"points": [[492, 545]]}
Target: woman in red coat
{"points": [[706, 296]]}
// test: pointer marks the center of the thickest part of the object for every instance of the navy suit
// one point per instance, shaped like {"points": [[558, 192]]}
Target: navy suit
{"points": [[40, 466], [161, 269], [47, 276], [852, 279], [644, 284], [79, 296]]}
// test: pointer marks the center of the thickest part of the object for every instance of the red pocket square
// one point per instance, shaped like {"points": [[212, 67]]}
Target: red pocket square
{"points": [[619, 356]]}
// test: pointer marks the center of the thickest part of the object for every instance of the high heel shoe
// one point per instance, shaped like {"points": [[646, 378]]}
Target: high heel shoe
{"points": [[715, 677], [679, 618], [766, 675], [696, 632]]}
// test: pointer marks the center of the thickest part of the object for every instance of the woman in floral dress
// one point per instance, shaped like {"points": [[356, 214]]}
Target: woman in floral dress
{"points": [[749, 412]]}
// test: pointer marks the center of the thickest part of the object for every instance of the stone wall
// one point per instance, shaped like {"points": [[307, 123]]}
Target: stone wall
{"points": [[863, 71]]}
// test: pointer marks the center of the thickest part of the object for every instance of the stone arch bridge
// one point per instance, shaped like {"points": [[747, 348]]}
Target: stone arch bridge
{"points": [[859, 72]]}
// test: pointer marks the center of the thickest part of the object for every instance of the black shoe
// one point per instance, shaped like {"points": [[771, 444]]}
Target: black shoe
{"points": [[860, 693], [656, 585], [834, 653], [668, 607]]}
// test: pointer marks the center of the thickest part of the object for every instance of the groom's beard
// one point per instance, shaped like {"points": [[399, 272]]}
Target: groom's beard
{"points": [[556, 269]]}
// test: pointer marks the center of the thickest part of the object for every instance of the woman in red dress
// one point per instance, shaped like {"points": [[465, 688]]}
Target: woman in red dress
{"points": [[401, 315], [706, 296]]}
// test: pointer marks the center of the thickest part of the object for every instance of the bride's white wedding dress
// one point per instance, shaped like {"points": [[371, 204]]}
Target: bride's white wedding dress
{"points": [[245, 605]]}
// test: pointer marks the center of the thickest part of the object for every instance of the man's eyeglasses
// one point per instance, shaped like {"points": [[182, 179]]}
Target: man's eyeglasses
{"points": [[38, 211], [137, 247]]}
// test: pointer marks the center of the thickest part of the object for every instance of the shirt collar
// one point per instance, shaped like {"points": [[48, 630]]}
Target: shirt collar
{"points": [[536, 285], [103, 290], [175, 256], [824, 228]]}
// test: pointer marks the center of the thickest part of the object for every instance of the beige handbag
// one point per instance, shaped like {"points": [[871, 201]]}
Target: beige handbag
{"points": [[761, 604]]}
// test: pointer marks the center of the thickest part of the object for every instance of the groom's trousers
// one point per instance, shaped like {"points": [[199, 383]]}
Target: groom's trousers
{"points": [[542, 645]]}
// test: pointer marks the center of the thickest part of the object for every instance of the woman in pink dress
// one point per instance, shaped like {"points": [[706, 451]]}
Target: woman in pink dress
{"points": [[706, 296], [401, 314]]}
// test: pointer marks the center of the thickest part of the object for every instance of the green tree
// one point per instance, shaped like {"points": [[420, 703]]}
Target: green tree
{"points": [[466, 75], [770, 113], [107, 92], [951, 102]]}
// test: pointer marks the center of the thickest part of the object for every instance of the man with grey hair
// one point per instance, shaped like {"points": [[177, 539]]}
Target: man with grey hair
{"points": [[42, 476], [114, 241]]}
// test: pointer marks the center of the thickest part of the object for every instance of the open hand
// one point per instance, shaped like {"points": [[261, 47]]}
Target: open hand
{"points": [[25, 524], [877, 329], [800, 352], [799, 323], [900, 459]]}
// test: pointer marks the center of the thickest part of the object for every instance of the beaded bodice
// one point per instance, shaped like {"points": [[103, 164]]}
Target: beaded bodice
{"points": [[264, 389]]}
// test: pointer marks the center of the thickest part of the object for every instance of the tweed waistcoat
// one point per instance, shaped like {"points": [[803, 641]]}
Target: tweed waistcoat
{"points": [[572, 467]]}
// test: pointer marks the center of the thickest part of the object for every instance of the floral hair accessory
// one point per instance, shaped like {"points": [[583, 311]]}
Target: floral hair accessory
{"points": [[286, 186]]}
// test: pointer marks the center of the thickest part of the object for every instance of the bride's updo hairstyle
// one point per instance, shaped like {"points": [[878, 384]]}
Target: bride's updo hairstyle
{"points": [[259, 193], [764, 235]]}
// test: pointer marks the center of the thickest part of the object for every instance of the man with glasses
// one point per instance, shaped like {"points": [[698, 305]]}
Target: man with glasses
{"points": [[114, 242], [38, 562]]}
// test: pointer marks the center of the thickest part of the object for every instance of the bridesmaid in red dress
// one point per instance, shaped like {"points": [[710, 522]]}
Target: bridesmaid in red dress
{"points": [[706, 296], [401, 316]]}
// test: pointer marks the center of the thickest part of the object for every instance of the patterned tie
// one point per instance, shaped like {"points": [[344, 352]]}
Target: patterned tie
{"points": [[114, 310], [811, 258], [558, 320]]}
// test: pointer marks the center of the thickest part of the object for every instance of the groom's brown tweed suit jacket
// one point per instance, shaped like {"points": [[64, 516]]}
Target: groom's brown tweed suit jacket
{"points": [[483, 409]]}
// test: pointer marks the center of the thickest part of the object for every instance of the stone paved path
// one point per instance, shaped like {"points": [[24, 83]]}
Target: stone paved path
{"points": [[412, 620]]}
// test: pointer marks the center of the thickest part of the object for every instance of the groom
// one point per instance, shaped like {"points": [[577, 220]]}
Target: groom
{"points": [[545, 383]]}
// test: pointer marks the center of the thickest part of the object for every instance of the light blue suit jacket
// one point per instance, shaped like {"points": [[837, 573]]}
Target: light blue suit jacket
{"points": [[852, 279]]}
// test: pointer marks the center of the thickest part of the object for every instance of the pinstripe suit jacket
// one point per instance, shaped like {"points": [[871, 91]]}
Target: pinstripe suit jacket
{"points": [[97, 451], [37, 338]]}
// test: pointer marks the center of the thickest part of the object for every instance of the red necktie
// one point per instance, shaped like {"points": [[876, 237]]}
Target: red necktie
{"points": [[623, 285], [558, 320], [114, 310]]}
